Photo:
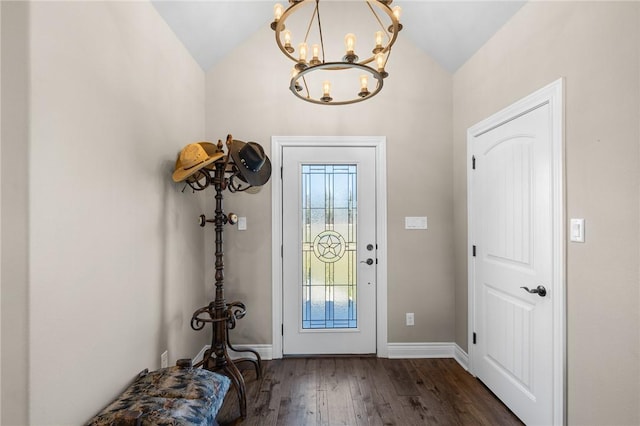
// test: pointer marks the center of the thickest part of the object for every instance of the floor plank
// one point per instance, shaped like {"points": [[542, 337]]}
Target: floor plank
{"points": [[359, 403], [359, 391]]}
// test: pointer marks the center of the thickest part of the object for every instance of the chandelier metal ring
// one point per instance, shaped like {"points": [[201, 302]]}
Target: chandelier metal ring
{"points": [[392, 32], [335, 66]]}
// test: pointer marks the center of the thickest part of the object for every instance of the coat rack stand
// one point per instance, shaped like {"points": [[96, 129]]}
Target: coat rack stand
{"points": [[221, 315]]}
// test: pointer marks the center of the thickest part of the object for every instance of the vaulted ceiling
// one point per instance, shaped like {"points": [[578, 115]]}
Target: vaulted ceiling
{"points": [[449, 31]]}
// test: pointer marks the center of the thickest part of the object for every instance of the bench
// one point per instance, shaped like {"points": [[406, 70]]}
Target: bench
{"points": [[177, 396]]}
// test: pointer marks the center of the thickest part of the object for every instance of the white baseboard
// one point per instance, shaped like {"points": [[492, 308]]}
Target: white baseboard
{"points": [[461, 356], [196, 359], [421, 350], [265, 352], [429, 350], [396, 350]]}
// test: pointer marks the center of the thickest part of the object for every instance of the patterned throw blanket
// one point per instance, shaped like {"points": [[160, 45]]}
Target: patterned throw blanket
{"points": [[170, 396]]}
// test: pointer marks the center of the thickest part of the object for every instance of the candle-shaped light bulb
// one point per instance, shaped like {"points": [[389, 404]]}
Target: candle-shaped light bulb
{"points": [[277, 12], [294, 74], [364, 82], [380, 61], [315, 52], [397, 11], [378, 47], [326, 92], [302, 48], [326, 88], [286, 34], [350, 42]]}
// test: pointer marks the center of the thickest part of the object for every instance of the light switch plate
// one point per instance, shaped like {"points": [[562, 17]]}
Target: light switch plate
{"points": [[415, 222], [242, 223], [576, 230]]}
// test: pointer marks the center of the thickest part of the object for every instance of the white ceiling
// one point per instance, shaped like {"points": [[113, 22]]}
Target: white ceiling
{"points": [[449, 31]]}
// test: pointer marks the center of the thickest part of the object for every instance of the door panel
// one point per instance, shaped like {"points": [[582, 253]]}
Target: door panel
{"points": [[512, 228], [329, 290], [509, 179], [509, 335]]}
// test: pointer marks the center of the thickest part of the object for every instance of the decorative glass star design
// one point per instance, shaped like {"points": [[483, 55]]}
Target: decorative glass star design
{"points": [[329, 246]]}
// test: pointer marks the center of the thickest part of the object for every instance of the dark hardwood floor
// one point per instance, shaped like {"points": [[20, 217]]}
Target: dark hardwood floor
{"points": [[365, 391]]}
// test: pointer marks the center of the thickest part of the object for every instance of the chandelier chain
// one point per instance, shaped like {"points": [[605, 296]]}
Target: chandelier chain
{"points": [[306, 88], [315, 13], [384, 29], [320, 31]]}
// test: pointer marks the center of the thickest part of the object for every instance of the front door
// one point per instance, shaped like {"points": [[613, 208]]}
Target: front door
{"points": [[512, 269], [329, 249]]}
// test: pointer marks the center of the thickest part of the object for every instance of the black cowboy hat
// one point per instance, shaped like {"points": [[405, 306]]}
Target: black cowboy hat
{"points": [[252, 163]]}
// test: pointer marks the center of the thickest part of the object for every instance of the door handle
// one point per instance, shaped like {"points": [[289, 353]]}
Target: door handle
{"points": [[540, 290], [369, 261]]}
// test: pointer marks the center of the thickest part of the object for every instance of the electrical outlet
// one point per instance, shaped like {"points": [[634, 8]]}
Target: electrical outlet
{"points": [[410, 318], [164, 359]]}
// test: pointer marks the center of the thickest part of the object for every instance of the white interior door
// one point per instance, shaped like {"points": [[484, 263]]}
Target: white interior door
{"points": [[511, 221], [329, 249]]}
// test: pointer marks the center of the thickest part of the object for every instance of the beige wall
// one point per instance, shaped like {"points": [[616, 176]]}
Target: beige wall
{"points": [[14, 225], [413, 111], [595, 47], [106, 267], [106, 262], [0, 210]]}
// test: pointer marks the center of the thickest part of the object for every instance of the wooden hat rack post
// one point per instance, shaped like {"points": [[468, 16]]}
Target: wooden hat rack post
{"points": [[243, 167]]}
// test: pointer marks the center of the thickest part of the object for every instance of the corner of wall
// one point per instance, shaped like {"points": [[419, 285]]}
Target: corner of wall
{"points": [[14, 309]]}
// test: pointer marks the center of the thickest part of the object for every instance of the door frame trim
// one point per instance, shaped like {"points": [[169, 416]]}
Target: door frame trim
{"points": [[379, 143], [553, 95]]}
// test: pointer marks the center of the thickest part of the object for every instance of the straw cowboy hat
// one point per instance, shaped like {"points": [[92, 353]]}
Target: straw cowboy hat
{"points": [[194, 157], [253, 164]]}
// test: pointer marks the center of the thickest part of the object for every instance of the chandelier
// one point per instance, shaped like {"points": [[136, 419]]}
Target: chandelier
{"points": [[344, 75]]}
